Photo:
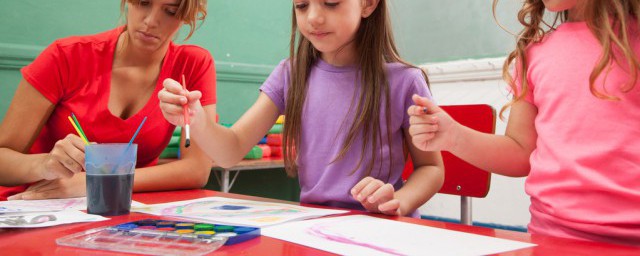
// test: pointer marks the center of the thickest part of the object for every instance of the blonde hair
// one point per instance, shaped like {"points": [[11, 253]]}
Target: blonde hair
{"points": [[607, 20], [375, 46], [189, 11]]}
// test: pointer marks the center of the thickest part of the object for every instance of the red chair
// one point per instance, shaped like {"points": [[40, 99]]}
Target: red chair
{"points": [[462, 178]]}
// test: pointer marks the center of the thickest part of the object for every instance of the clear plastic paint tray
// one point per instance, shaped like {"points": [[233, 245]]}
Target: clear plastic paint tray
{"points": [[160, 237]]}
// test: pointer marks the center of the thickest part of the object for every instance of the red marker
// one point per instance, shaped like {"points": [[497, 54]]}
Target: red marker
{"points": [[186, 117]]}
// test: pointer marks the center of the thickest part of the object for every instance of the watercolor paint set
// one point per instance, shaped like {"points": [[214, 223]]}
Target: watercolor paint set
{"points": [[161, 237]]}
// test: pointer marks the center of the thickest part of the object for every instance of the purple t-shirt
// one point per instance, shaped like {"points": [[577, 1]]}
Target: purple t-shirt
{"points": [[327, 116]]}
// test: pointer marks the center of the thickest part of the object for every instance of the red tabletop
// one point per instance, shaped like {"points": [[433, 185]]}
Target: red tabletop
{"points": [[41, 241]]}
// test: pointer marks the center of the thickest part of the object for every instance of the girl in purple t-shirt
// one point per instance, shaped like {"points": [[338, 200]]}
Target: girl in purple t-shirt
{"points": [[344, 92], [574, 126]]}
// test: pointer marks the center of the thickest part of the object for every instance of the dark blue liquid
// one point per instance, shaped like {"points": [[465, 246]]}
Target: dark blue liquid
{"points": [[109, 195]]}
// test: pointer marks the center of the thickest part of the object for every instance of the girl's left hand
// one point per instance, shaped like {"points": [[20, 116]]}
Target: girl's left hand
{"points": [[58, 188], [376, 196]]}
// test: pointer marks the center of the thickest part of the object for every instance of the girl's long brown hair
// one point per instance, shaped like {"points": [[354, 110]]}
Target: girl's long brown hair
{"points": [[607, 20], [189, 11], [375, 47]]}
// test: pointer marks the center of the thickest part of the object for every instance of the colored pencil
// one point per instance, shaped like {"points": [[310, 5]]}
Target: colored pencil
{"points": [[86, 142], [79, 126]]}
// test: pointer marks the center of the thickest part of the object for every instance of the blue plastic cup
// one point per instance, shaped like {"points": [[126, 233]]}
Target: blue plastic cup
{"points": [[110, 169]]}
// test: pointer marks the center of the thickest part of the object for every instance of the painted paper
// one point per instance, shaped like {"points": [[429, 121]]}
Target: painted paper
{"points": [[235, 211]]}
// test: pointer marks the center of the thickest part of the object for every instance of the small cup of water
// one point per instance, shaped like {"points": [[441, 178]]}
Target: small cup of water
{"points": [[110, 168]]}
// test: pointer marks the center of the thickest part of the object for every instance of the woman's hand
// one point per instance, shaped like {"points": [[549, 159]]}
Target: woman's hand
{"points": [[65, 159], [75, 186]]}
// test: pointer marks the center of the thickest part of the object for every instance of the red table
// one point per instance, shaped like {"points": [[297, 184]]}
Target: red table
{"points": [[41, 241]]}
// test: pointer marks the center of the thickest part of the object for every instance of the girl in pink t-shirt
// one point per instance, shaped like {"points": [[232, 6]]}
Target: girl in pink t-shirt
{"points": [[574, 126]]}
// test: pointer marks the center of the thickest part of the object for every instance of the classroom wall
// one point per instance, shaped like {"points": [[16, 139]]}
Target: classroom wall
{"points": [[248, 38]]}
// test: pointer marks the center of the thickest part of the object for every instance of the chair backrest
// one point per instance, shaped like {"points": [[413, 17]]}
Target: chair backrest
{"points": [[462, 178]]}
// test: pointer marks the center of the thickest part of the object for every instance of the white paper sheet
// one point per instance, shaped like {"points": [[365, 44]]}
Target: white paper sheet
{"points": [[48, 205], [235, 211], [365, 235], [46, 219]]}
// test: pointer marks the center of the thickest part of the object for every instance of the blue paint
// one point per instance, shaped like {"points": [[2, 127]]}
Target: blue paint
{"points": [[230, 207]]}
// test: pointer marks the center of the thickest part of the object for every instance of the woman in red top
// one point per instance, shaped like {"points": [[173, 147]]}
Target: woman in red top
{"points": [[109, 81]]}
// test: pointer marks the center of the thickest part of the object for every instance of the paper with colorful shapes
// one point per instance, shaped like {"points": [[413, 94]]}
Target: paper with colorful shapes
{"points": [[365, 235], [235, 211], [46, 219]]}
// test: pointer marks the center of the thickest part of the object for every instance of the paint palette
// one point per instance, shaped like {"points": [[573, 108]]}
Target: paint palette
{"points": [[160, 237]]}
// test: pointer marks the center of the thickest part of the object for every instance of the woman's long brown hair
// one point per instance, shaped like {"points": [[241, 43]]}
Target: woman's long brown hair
{"points": [[375, 47], [189, 11], [607, 20]]}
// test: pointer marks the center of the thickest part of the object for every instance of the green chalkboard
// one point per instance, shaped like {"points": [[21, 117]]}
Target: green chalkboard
{"points": [[435, 31]]}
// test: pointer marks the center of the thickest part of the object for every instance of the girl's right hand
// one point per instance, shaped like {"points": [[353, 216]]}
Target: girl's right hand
{"points": [[65, 159], [432, 129], [172, 100]]}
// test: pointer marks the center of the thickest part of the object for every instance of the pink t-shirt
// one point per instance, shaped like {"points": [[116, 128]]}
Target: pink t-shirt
{"points": [[585, 171]]}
